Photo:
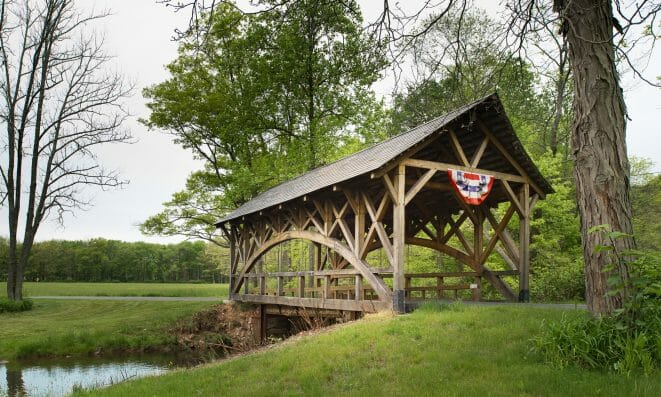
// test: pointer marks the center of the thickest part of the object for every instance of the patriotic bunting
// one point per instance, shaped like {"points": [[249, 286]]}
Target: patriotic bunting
{"points": [[473, 188]]}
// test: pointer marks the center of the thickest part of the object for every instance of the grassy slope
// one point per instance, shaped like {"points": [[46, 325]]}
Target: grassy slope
{"points": [[121, 289], [73, 327], [468, 351]]}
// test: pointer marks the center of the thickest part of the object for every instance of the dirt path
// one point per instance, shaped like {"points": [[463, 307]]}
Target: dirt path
{"points": [[137, 298]]}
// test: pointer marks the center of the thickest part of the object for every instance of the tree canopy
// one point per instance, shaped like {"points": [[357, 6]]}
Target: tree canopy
{"points": [[262, 98]]}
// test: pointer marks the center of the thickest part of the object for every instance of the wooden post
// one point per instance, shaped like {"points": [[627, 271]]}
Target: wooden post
{"points": [[399, 236], [262, 323], [318, 258], [359, 226], [280, 286], [232, 266], [440, 294], [476, 292], [359, 287], [301, 286], [524, 245], [246, 287], [312, 261], [262, 285], [327, 287], [478, 235]]}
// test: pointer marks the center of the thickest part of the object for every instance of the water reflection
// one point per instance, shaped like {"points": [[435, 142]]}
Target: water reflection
{"points": [[54, 379]]}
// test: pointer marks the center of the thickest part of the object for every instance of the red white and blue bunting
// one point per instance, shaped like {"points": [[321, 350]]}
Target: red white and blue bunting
{"points": [[473, 188]]}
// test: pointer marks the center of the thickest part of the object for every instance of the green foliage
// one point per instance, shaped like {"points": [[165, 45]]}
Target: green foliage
{"points": [[99, 260], [627, 341], [123, 289], [646, 206], [596, 343], [262, 98], [555, 249], [11, 306]]}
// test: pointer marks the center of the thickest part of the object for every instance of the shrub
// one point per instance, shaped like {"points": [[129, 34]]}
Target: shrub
{"points": [[626, 341], [11, 306]]}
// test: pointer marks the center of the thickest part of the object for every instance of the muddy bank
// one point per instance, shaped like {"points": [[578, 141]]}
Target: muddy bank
{"points": [[235, 328], [223, 329]]}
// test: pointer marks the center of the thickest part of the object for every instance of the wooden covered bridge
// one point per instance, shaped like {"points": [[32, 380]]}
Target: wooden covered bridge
{"points": [[404, 191]]}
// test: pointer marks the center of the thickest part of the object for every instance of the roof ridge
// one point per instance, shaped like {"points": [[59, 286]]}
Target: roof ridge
{"points": [[313, 180], [374, 145]]}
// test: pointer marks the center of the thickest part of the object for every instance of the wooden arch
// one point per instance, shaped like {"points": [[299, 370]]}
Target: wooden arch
{"points": [[336, 245]]}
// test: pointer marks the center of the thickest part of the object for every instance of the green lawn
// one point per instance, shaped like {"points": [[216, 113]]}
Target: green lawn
{"points": [[121, 289], [55, 327], [467, 351]]}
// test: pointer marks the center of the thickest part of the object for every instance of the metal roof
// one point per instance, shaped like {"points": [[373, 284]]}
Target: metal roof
{"points": [[370, 160]]}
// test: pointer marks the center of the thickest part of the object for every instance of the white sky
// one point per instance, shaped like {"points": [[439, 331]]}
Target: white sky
{"points": [[139, 34]]}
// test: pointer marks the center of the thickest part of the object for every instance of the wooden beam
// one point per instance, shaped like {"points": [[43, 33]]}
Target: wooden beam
{"points": [[390, 188], [458, 150], [399, 239], [445, 166], [348, 236], [478, 242], [385, 242], [442, 187], [505, 238], [475, 161], [497, 232], [524, 246], [446, 249], [368, 239], [512, 196], [499, 284], [359, 226], [369, 306], [418, 186], [509, 158]]}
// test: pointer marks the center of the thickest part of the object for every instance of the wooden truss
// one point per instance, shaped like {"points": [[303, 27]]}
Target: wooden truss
{"points": [[409, 202]]}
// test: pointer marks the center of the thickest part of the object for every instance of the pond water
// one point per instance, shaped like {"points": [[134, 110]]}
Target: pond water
{"points": [[58, 378]]}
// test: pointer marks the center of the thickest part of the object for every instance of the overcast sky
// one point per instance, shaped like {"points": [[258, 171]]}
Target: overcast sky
{"points": [[139, 35]]}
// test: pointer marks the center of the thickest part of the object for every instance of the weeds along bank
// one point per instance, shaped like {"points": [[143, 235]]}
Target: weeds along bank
{"points": [[201, 330], [442, 350]]}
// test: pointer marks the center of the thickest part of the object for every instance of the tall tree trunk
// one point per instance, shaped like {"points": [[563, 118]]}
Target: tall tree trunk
{"points": [[598, 142]]}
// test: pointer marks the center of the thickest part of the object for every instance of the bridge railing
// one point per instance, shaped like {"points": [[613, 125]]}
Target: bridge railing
{"points": [[324, 284], [348, 284]]}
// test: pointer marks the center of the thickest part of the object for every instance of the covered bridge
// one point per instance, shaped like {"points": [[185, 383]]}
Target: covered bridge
{"points": [[453, 185]]}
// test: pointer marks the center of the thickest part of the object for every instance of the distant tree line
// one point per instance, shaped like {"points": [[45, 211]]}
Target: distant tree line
{"points": [[101, 260]]}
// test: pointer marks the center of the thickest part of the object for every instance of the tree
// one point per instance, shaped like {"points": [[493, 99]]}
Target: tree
{"points": [[58, 104], [261, 98], [601, 172], [598, 34]]}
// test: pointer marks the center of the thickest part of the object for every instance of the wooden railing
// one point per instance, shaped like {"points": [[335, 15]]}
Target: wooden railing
{"points": [[324, 284], [320, 287]]}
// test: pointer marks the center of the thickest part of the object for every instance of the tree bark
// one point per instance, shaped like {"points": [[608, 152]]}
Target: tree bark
{"points": [[598, 143]]}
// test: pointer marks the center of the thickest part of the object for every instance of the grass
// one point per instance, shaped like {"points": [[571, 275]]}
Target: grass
{"points": [[78, 327], [456, 351], [120, 289]]}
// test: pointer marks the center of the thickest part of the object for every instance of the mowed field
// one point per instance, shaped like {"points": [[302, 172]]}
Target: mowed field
{"points": [[71, 327], [121, 289]]}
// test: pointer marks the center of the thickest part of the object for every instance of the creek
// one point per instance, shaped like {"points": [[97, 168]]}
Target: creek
{"points": [[59, 377]]}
